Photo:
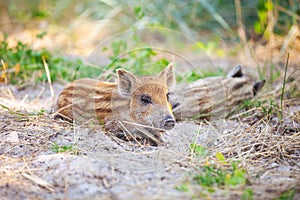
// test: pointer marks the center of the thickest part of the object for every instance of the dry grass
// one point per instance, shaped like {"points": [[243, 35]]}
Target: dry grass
{"points": [[266, 146], [267, 149]]}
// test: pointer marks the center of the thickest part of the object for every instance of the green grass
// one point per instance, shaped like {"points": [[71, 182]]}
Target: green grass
{"points": [[283, 86], [216, 173], [183, 187], [22, 65], [140, 61], [143, 61], [195, 75], [269, 107], [221, 175], [63, 148], [287, 195], [218, 17], [22, 113], [268, 72], [266, 107], [198, 150], [247, 194]]}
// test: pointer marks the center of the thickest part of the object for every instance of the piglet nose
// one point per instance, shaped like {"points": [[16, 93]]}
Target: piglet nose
{"points": [[168, 123]]}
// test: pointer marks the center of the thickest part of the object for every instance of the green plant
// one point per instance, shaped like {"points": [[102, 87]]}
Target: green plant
{"points": [[237, 176], [140, 61], [268, 72], [191, 18], [62, 148], [283, 85], [210, 47], [210, 176], [267, 107], [22, 65], [22, 114], [263, 7], [217, 173], [274, 74], [198, 150], [218, 176], [183, 187], [194, 75], [247, 194], [272, 20], [287, 195]]}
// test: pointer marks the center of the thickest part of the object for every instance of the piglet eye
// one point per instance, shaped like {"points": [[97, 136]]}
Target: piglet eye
{"points": [[146, 99]]}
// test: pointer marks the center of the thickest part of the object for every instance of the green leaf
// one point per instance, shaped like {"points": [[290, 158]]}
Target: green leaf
{"points": [[269, 5], [139, 12], [238, 178], [41, 35], [220, 156]]}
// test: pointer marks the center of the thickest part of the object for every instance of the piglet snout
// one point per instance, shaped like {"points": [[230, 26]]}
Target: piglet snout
{"points": [[168, 123]]}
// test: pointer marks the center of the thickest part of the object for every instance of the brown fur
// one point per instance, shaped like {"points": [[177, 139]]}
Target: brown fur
{"points": [[88, 100], [214, 97]]}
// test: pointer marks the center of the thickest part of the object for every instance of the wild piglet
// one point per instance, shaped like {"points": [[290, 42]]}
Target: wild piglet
{"points": [[134, 105]]}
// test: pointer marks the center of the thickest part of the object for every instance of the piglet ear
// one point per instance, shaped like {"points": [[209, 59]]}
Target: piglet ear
{"points": [[169, 76], [126, 81]]}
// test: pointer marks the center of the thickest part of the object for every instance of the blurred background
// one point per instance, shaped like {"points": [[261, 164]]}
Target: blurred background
{"points": [[207, 32]]}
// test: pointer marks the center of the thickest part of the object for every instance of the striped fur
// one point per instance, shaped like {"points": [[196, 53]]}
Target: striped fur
{"points": [[92, 101], [214, 97]]}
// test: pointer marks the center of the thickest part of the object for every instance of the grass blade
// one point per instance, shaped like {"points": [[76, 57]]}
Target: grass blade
{"points": [[48, 76], [283, 85], [216, 15]]}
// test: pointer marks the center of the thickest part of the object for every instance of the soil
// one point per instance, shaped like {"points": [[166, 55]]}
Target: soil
{"points": [[98, 165]]}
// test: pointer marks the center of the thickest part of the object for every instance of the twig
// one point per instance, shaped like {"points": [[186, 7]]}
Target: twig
{"points": [[127, 131], [38, 181], [288, 12], [243, 113], [283, 86], [149, 135]]}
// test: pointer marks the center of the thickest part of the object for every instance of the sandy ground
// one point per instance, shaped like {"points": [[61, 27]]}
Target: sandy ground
{"points": [[101, 166], [105, 166]]}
